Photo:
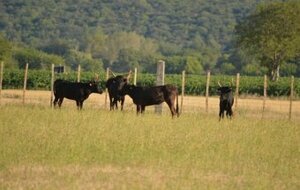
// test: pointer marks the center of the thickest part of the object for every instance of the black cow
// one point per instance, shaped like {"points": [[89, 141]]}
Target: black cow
{"points": [[77, 91], [226, 101], [146, 96], [114, 85]]}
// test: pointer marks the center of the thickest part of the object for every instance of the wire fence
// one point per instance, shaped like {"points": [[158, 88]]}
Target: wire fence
{"points": [[257, 106]]}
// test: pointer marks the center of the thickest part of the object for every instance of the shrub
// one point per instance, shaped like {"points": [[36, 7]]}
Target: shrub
{"points": [[195, 84]]}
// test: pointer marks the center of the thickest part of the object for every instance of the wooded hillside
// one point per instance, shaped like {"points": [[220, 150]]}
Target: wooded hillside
{"points": [[195, 35]]}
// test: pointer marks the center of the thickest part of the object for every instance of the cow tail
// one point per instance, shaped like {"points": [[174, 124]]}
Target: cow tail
{"points": [[177, 106]]}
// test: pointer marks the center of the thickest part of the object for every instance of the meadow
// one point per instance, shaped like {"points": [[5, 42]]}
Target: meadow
{"points": [[44, 148]]}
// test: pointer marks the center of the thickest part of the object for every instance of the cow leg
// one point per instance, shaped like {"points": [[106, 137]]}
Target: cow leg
{"points": [[143, 109], [138, 109], [110, 103], [60, 101], [77, 104], [55, 101], [80, 104], [116, 103], [229, 113], [221, 114], [122, 103], [113, 104]]}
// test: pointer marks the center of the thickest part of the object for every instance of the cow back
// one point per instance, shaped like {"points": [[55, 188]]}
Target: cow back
{"points": [[75, 90], [150, 95]]}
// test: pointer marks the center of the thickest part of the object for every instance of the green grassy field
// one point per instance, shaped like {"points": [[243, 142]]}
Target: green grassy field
{"points": [[43, 148]]}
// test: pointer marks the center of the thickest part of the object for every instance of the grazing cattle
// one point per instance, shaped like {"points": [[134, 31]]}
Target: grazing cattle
{"points": [[226, 101], [146, 96], [114, 85], [77, 91]]}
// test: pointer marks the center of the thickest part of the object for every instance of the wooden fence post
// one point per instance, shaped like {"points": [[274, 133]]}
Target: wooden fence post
{"points": [[135, 76], [182, 90], [265, 95], [1, 79], [106, 91], [52, 83], [291, 97], [207, 90], [25, 82], [160, 80], [237, 90], [78, 73]]}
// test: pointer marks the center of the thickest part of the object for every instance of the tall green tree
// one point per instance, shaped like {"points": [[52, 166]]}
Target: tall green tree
{"points": [[36, 59], [272, 34], [5, 48], [193, 65]]}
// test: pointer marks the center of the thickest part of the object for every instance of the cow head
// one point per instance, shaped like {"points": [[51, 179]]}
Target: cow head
{"points": [[95, 88], [120, 81], [224, 91], [127, 88]]}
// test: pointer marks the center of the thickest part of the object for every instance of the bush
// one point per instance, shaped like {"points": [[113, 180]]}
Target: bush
{"points": [[195, 84]]}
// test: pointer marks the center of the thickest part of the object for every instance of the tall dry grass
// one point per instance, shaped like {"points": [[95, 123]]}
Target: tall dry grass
{"points": [[43, 148]]}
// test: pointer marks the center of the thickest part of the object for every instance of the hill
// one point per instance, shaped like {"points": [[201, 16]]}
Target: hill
{"points": [[192, 35]]}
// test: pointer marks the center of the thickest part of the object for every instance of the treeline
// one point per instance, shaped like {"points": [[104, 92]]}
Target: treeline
{"points": [[192, 35], [194, 84]]}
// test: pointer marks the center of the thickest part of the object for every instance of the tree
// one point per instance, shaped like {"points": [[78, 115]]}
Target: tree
{"points": [[5, 48], [128, 59], [228, 68], [193, 65], [85, 60], [116, 42], [272, 34], [57, 47], [36, 59]]}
